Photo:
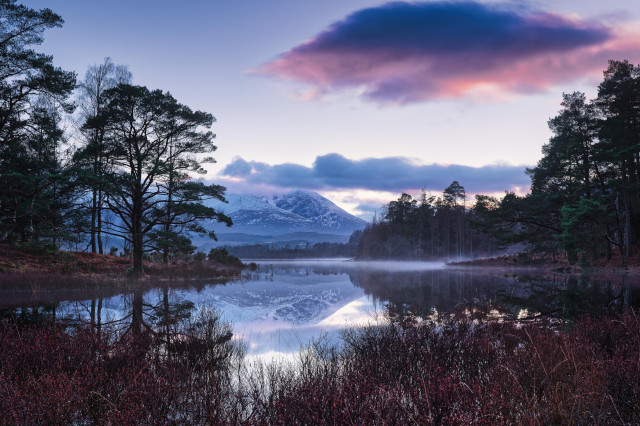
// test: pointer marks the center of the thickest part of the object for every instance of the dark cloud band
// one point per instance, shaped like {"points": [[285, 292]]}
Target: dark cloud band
{"points": [[333, 171]]}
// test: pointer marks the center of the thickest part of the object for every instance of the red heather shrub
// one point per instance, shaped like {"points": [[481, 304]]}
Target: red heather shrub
{"points": [[464, 371], [457, 372], [52, 376]]}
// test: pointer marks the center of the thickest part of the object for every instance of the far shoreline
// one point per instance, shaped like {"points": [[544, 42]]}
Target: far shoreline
{"points": [[559, 266]]}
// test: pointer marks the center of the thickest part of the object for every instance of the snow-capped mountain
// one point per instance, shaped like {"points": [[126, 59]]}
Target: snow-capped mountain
{"points": [[297, 211]]}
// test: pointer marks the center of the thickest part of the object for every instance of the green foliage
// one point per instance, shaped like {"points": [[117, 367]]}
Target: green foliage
{"points": [[153, 145], [223, 257], [581, 226], [36, 188], [91, 160], [171, 244], [516, 220], [454, 194], [585, 190], [199, 256]]}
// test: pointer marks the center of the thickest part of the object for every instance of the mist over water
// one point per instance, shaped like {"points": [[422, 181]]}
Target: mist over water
{"points": [[350, 264]]}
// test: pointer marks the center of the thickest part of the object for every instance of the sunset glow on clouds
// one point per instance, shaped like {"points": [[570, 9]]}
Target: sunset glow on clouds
{"points": [[401, 53], [500, 66]]}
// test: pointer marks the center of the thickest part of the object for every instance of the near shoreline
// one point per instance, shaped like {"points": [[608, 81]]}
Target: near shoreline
{"points": [[25, 261]]}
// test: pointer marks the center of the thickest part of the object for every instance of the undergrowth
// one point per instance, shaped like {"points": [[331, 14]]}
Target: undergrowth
{"points": [[458, 371]]}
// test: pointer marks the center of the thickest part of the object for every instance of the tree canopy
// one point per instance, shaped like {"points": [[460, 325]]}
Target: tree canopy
{"points": [[33, 95], [153, 145], [426, 228], [585, 190]]}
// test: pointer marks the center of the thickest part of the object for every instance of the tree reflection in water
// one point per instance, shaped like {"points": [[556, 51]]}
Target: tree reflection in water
{"points": [[422, 292], [523, 296], [141, 310]]}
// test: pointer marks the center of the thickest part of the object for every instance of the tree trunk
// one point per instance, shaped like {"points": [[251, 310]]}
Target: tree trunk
{"points": [[138, 254], [94, 208], [137, 223], [99, 227], [627, 221], [93, 225]]}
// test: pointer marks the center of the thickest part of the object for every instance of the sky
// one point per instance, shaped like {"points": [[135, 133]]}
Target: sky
{"points": [[359, 100]]}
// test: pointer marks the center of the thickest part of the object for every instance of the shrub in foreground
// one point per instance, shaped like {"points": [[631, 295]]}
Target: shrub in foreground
{"points": [[464, 371], [461, 370], [52, 376]]}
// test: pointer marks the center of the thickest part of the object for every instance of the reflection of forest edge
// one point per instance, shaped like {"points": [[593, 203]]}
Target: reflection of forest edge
{"points": [[41, 290], [422, 292]]}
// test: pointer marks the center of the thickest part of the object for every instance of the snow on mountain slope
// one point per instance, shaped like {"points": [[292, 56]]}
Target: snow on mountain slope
{"points": [[297, 211], [246, 202]]}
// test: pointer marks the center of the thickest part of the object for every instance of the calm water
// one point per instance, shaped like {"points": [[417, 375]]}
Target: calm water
{"points": [[286, 304]]}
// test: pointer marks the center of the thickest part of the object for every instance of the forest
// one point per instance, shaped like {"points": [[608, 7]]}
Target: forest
{"points": [[584, 201], [429, 227], [585, 190], [86, 159]]}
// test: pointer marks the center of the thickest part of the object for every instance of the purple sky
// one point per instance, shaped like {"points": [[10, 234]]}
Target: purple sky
{"points": [[357, 99]]}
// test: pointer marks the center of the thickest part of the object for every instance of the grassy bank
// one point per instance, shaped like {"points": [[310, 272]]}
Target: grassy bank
{"points": [[463, 370], [16, 262]]}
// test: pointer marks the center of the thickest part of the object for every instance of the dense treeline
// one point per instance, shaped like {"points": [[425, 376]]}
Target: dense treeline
{"points": [[584, 199], [585, 191], [123, 168], [428, 228]]}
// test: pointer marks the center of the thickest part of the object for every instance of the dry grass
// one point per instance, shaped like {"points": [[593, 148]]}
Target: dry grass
{"points": [[23, 261]]}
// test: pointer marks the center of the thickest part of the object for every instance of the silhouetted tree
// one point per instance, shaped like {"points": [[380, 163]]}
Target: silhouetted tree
{"points": [[428, 228], [585, 190], [153, 136]]}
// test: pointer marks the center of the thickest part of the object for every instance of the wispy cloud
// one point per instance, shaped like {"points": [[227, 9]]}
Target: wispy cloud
{"points": [[404, 52], [391, 174]]}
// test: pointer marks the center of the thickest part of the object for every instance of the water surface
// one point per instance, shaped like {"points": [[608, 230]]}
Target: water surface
{"points": [[284, 305]]}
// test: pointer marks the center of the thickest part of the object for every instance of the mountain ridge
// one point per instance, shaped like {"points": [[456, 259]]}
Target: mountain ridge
{"points": [[296, 211]]}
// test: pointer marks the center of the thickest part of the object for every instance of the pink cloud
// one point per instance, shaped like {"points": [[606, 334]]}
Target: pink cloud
{"points": [[413, 52]]}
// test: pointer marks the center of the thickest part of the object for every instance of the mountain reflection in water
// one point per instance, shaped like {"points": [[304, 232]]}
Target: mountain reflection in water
{"points": [[284, 305]]}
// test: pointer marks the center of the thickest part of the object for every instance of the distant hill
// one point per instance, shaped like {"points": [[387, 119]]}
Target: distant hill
{"points": [[294, 238], [269, 218]]}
